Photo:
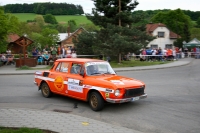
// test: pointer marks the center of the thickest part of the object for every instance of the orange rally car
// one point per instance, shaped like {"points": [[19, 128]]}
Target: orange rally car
{"points": [[89, 80]]}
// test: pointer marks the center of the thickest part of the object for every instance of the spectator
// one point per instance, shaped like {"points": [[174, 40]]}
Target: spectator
{"points": [[63, 52], [101, 57], [34, 52], [4, 59], [68, 52], [8, 51], [160, 53], [47, 49], [40, 58], [108, 59], [46, 57], [144, 53], [73, 54], [53, 53], [10, 60], [153, 54]]}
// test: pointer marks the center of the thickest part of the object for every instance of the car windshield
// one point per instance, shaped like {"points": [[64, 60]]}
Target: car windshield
{"points": [[95, 68]]}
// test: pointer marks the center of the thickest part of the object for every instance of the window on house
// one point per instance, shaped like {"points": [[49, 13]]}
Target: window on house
{"points": [[161, 34], [169, 46], [154, 46]]}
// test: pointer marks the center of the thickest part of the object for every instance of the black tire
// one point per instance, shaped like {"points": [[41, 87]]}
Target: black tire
{"points": [[46, 92], [96, 101]]}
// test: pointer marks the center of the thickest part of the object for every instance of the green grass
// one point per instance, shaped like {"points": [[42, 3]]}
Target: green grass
{"points": [[134, 63], [78, 19], [20, 130], [31, 68], [23, 17]]}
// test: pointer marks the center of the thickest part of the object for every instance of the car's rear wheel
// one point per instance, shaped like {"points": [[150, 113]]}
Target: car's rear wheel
{"points": [[96, 101], [46, 92]]}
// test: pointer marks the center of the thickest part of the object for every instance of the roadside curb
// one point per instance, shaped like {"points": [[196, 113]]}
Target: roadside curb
{"points": [[142, 68]]}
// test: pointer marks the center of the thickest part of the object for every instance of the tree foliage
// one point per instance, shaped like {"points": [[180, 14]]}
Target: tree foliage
{"points": [[46, 37], [195, 33], [198, 22], [9, 24], [49, 18], [177, 22], [45, 8], [117, 34]]}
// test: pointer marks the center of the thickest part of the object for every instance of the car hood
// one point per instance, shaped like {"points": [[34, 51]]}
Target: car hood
{"points": [[116, 81]]}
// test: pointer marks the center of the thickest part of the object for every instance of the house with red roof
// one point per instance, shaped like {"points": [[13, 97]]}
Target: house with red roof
{"points": [[164, 37], [11, 43]]}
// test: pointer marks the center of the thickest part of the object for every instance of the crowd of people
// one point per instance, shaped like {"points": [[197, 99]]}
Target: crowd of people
{"points": [[158, 54], [52, 53], [7, 58]]}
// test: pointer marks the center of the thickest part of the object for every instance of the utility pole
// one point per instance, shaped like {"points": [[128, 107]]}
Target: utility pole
{"points": [[119, 12], [120, 26]]}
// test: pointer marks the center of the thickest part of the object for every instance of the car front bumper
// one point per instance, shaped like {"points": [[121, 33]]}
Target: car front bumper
{"points": [[130, 99]]}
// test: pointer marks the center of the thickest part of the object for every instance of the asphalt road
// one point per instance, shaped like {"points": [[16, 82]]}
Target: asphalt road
{"points": [[172, 105]]}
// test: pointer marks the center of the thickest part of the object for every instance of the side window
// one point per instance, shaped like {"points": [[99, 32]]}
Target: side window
{"points": [[64, 67], [58, 67], [76, 68]]}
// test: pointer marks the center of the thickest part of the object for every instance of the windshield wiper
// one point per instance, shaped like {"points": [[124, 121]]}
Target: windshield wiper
{"points": [[109, 73], [95, 73]]}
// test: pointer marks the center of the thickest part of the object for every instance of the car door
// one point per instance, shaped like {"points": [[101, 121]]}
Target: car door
{"points": [[75, 82], [59, 78]]}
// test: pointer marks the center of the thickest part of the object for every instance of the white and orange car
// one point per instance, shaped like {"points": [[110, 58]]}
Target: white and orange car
{"points": [[89, 80]]}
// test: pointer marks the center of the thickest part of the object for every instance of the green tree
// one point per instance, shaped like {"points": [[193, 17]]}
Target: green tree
{"points": [[49, 18], [117, 35], [46, 37], [8, 24], [72, 24], [177, 22], [198, 22], [50, 37], [195, 33], [40, 20]]}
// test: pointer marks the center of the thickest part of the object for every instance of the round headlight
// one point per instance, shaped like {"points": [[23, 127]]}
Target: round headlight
{"points": [[117, 92]]}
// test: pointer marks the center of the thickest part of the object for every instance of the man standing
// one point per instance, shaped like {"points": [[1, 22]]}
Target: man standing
{"points": [[63, 52]]}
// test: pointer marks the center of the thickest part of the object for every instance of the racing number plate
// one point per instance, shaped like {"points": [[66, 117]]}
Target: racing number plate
{"points": [[135, 98]]}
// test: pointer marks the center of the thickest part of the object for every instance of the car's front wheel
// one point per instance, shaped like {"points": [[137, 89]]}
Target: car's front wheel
{"points": [[46, 92], [96, 101]]}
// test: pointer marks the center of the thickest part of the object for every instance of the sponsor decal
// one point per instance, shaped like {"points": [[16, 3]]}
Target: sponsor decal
{"points": [[38, 72], [108, 90], [87, 86], [75, 88], [59, 83], [73, 81], [74, 85], [117, 82]]}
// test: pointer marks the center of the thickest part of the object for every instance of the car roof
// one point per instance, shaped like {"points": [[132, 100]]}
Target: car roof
{"points": [[79, 60]]}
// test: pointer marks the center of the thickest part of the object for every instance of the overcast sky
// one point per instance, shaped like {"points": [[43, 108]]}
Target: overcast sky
{"points": [[192, 5]]}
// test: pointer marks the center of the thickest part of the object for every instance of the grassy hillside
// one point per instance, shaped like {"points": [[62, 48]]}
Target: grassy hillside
{"points": [[61, 18]]}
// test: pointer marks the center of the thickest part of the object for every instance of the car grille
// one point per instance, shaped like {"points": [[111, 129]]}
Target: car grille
{"points": [[134, 92]]}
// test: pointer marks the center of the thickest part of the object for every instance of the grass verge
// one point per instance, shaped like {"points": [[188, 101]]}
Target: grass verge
{"points": [[23, 130], [131, 63]]}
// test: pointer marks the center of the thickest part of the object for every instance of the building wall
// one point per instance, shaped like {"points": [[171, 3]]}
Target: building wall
{"points": [[69, 40], [161, 42]]}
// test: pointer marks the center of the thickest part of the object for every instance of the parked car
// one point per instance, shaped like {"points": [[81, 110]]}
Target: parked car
{"points": [[90, 80]]}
